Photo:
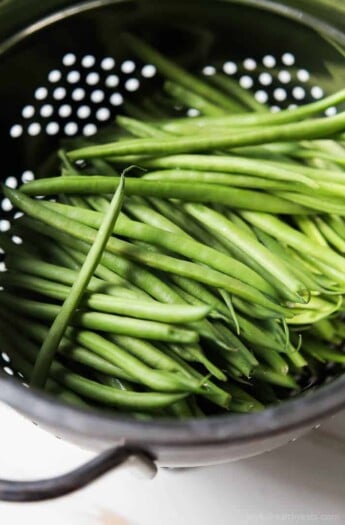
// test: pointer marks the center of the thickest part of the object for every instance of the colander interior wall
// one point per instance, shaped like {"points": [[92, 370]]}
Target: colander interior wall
{"points": [[74, 75]]}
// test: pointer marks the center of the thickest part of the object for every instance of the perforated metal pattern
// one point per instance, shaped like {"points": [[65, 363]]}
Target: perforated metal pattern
{"points": [[84, 93]]}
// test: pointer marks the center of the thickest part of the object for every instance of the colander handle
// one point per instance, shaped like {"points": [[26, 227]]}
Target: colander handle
{"points": [[29, 491]]}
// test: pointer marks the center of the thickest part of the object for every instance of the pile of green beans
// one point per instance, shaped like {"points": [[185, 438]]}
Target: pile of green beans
{"points": [[212, 281]]}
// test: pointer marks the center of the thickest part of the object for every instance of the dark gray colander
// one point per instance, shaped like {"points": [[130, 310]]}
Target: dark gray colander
{"points": [[66, 73]]}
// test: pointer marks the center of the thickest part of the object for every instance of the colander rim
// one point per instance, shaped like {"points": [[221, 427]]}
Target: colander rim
{"points": [[292, 415]]}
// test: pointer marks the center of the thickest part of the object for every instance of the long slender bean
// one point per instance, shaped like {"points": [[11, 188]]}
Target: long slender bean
{"points": [[165, 263], [234, 166], [234, 197], [225, 179], [60, 323], [313, 129], [254, 119], [107, 395], [124, 303], [291, 237], [185, 97], [106, 322], [292, 286], [137, 274], [171, 241], [74, 353]]}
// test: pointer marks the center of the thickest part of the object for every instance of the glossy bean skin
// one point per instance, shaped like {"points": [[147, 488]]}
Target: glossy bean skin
{"points": [[233, 197], [72, 301], [163, 262]]}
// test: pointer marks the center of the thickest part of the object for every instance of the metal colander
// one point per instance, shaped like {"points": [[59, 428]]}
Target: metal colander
{"points": [[65, 72]]}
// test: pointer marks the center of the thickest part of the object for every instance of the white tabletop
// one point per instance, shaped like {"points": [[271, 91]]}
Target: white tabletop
{"points": [[300, 483]]}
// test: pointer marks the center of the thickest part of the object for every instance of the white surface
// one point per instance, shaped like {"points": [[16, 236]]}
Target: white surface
{"points": [[301, 483]]}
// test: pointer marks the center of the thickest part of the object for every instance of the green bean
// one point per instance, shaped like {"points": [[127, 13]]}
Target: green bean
{"points": [[322, 269], [123, 303], [310, 154], [34, 284], [109, 396], [25, 367], [214, 393], [291, 237], [195, 409], [230, 305], [105, 322], [139, 128], [238, 363], [323, 177], [317, 309], [190, 299], [136, 112], [112, 397], [168, 381], [242, 353], [241, 406], [275, 247], [61, 321], [323, 352], [38, 210], [274, 359], [309, 228], [249, 330], [267, 375], [75, 200], [332, 237], [202, 293], [337, 224], [327, 331], [186, 223], [136, 369], [141, 211], [253, 119], [147, 352], [172, 242], [292, 286], [195, 354], [105, 271], [297, 360], [138, 275], [62, 154], [153, 218], [232, 165], [232, 88], [204, 328], [175, 72], [321, 203], [154, 108], [49, 250], [192, 100], [120, 384], [313, 129], [235, 197], [80, 355], [225, 179], [37, 332], [280, 151], [338, 326], [66, 276], [95, 203], [239, 394]]}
